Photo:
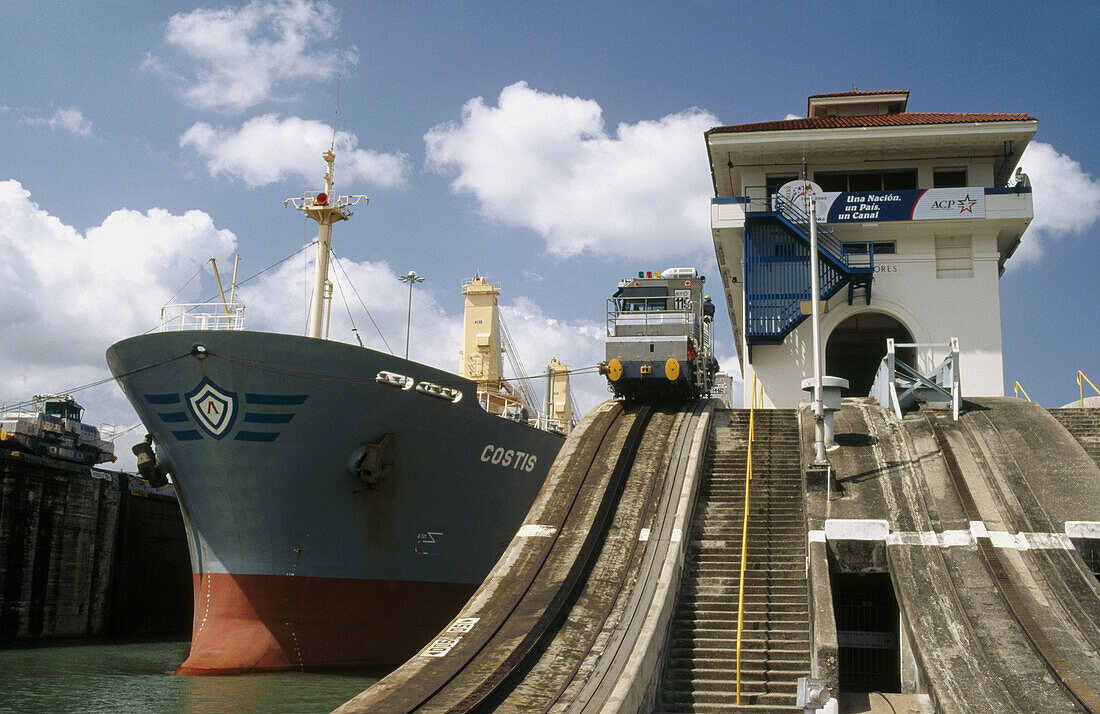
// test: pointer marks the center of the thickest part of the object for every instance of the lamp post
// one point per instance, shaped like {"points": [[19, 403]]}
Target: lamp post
{"points": [[815, 307], [411, 278]]}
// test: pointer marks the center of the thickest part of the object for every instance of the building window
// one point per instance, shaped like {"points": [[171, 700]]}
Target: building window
{"points": [[777, 182], [881, 247], [831, 181], [948, 178], [865, 182], [896, 180], [899, 180], [954, 257]]}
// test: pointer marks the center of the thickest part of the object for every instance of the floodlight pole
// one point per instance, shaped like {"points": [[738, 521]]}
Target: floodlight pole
{"points": [[411, 278], [815, 320]]}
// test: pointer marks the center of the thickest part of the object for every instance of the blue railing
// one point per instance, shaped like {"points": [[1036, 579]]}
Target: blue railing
{"points": [[777, 280], [851, 256], [777, 266]]}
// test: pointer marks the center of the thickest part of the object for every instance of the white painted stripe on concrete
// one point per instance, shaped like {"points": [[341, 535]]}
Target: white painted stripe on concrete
{"points": [[643, 535], [1083, 529], [856, 529], [1044, 541], [978, 530], [912, 538], [966, 539], [1003, 539], [958, 539], [534, 530], [676, 535], [817, 536]]}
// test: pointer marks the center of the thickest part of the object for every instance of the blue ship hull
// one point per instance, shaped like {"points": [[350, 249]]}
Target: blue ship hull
{"points": [[299, 562]]}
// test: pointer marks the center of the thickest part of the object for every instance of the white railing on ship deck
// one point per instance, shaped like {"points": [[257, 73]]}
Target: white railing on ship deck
{"points": [[509, 407], [201, 316]]}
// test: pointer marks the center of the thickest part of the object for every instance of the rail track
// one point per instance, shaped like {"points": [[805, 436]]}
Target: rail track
{"points": [[529, 632], [1077, 687]]}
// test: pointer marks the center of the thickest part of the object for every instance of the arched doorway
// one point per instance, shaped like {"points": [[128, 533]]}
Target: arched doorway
{"points": [[857, 346]]}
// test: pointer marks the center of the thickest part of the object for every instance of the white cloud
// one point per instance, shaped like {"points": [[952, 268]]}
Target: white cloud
{"points": [[268, 148], [65, 297], [74, 293], [242, 54], [1066, 200], [546, 163], [792, 116], [71, 120]]}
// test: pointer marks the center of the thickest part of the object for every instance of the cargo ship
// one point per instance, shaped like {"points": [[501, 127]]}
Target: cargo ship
{"points": [[341, 503]]}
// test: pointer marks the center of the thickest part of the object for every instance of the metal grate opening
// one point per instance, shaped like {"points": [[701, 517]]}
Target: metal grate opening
{"points": [[867, 622], [1091, 557]]}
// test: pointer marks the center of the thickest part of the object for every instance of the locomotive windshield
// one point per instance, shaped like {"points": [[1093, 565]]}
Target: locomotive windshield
{"points": [[64, 408], [647, 298]]}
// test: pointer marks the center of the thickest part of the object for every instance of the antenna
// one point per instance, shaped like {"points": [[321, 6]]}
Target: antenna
{"points": [[335, 114]]}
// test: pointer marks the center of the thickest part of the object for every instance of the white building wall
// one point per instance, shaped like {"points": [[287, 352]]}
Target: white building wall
{"points": [[907, 289]]}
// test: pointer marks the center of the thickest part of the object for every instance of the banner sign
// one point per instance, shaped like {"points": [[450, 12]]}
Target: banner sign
{"points": [[913, 205], [907, 205]]}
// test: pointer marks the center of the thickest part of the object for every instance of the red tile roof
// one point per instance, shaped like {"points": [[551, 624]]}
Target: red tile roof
{"points": [[902, 119], [859, 92]]}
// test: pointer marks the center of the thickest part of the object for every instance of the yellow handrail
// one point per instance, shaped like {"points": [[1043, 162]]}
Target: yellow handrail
{"points": [[1080, 376], [745, 530], [1020, 388]]}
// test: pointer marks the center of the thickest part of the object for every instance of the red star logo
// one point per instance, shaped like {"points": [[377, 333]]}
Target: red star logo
{"points": [[966, 205]]}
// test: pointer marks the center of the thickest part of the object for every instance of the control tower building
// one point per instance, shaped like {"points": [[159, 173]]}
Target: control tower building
{"points": [[916, 222]]}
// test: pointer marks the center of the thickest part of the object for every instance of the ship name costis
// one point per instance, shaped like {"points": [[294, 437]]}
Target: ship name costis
{"points": [[518, 460]]}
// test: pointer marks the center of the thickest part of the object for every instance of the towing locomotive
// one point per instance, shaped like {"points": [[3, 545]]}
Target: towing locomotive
{"points": [[659, 337], [54, 429]]}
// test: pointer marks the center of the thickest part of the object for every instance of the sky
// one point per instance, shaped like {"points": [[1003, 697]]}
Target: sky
{"points": [[555, 147]]}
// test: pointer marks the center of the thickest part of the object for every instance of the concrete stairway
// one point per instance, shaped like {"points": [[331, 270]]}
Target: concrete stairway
{"points": [[1084, 424], [700, 667]]}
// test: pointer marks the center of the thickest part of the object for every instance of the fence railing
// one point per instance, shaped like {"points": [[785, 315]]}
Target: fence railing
{"points": [[854, 255], [897, 385], [653, 315], [1081, 376], [201, 316], [1019, 389], [753, 404]]}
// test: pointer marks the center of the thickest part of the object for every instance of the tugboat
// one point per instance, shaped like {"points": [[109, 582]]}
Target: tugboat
{"points": [[54, 429], [341, 503]]}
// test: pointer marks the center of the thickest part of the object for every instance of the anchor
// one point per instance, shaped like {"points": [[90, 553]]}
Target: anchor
{"points": [[373, 462]]}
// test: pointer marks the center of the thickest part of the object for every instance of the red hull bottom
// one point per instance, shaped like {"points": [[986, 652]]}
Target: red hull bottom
{"points": [[270, 623]]}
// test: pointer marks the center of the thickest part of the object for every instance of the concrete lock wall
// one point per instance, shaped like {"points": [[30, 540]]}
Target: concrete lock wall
{"points": [[81, 556], [57, 534]]}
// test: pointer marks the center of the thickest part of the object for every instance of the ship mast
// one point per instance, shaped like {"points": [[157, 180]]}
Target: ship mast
{"points": [[326, 207]]}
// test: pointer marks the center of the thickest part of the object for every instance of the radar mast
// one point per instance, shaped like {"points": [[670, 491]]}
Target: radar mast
{"points": [[326, 207]]}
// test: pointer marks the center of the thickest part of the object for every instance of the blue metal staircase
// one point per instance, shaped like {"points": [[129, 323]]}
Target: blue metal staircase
{"points": [[777, 268]]}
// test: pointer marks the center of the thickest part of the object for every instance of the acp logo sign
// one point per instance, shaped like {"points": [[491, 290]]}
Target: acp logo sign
{"points": [[214, 408], [799, 193]]}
